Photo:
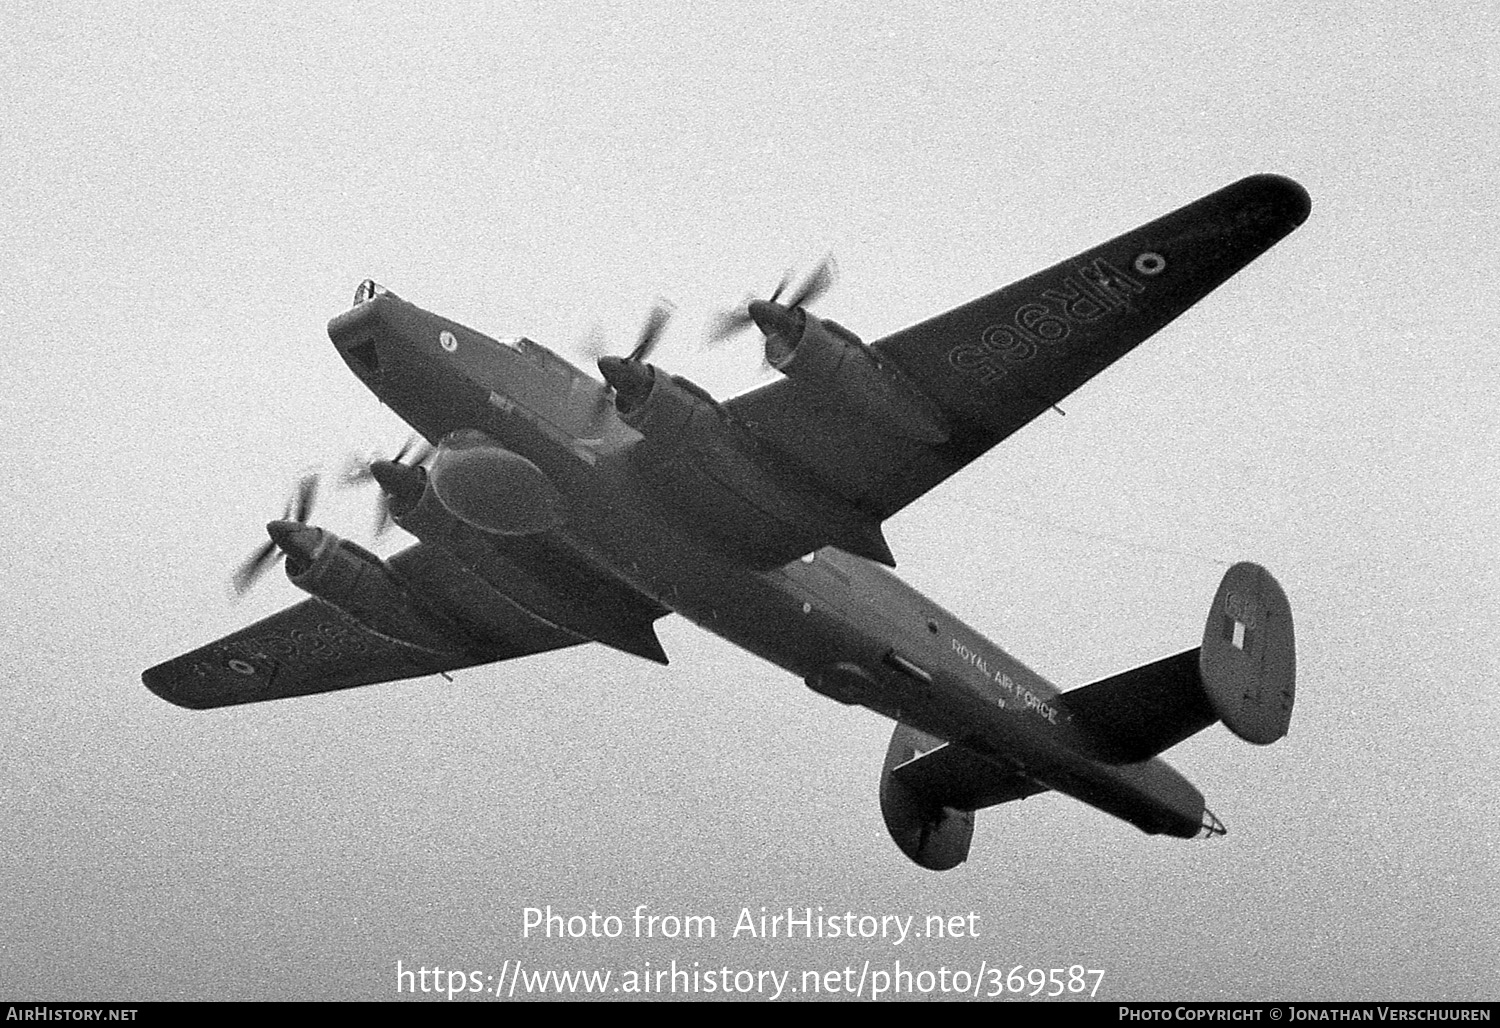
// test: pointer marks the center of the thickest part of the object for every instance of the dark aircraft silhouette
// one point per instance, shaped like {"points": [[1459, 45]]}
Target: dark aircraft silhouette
{"points": [[553, 510]]}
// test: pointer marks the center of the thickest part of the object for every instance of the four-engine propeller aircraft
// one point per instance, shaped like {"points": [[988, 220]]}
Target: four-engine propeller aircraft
{"points": [[553, 510]]}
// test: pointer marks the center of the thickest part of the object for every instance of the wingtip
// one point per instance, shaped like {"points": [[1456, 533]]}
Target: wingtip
{"points": [[163, 681], [1283, 198]]}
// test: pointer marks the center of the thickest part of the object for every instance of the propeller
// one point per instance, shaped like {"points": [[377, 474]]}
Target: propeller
{"points": [[627, 372], [595, 344], [360, 470], [299, 508], [818, 282], [651, 330]]}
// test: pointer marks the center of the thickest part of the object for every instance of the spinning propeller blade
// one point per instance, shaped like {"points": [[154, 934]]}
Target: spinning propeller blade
{"points": [[650, 335], [731, 322], [359, 470], [299, 507], [629, 368]]}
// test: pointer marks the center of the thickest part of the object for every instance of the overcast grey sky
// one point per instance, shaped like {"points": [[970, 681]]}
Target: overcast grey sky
{"points": [[192, 191]]}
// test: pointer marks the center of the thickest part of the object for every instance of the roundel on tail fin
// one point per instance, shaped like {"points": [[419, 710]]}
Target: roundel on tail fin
{"points": [[1248, 661]]}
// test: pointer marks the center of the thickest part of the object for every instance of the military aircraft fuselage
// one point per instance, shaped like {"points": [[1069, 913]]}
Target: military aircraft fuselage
{"points": [[844, 624]]}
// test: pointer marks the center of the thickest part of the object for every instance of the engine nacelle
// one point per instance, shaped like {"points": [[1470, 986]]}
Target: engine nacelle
{"points": [[653, 402], [934, 836], [492, 488], [828, 358], [360, 584], [717, 476]]}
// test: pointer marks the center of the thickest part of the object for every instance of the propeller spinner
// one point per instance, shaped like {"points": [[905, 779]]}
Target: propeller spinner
{"points": [[394, 477], [775, 314], [628, 378]]}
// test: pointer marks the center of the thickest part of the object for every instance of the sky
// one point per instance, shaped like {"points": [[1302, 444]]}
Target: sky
{"points": [[193, 191]]}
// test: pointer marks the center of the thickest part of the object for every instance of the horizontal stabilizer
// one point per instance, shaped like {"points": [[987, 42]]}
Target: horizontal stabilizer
{"points": [[1137, 714], [952, 776]]}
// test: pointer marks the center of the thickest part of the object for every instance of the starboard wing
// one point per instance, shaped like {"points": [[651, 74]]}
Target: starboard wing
{"points": [[994, 364]]}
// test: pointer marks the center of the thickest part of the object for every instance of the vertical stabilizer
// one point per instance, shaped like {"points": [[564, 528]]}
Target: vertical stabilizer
{"points": [[1248, 661]]}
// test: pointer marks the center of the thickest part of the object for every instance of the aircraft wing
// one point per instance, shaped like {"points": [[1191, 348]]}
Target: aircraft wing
{"points": [[994, 364], [313, 647]]}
